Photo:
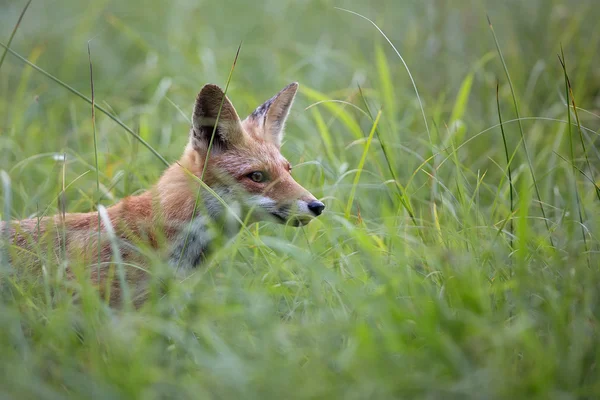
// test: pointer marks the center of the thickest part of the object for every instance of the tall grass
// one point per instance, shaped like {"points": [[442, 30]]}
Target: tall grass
{"points": [[450, 262]]}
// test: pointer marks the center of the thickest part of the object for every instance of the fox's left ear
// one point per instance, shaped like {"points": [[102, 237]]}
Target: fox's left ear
{"points": [[213, 107], [273, 113]]}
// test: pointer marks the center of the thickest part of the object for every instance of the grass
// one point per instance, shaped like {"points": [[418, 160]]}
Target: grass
{"points": [[450, 262]]}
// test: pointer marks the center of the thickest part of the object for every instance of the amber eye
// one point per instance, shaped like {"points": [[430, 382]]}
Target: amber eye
{"points": [[257, 176]]}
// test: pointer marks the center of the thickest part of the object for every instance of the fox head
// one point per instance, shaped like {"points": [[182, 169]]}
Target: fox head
{"points": [[244, 164]]}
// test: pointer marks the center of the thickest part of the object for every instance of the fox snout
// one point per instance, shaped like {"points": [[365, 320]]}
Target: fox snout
{"points": [[316, 207], [304, 212]]}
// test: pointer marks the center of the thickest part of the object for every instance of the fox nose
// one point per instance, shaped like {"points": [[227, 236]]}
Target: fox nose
{"points": [[316, 207]]}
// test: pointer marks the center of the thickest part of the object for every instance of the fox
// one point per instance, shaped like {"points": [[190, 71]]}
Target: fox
{"points": [[231, 171]]}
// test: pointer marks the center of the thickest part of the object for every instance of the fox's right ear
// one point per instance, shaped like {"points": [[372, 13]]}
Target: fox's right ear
{"points": [[272, 114], [229, 130]]}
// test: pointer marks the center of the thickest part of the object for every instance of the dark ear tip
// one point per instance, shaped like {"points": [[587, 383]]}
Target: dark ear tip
{"points": [[210, 88], [292, 86]]}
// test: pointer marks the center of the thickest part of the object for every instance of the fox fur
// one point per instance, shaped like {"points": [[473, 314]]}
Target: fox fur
{"points": [[244, 167]]}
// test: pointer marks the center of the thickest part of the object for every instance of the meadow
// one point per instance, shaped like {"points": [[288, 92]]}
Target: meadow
{"points": [[459, 159]]}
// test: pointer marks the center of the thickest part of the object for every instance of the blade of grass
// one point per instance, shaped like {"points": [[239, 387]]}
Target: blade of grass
{"points": [[341, 102], [572, 151], [361, 165], [85, 98], [63, 206], [5, 232], [95, 146], [212, 136], [510, 121], [578, 170], [337, 109], [114, 246], [323, 130], [458, 129], [404, 200], [575, 108], [508, 160], [386, 85], [184, 115], [588, 112], [210, 144], [12, 35], [403, 62], [516, 105]]}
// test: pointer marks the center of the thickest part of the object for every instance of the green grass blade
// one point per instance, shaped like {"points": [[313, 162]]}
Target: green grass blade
{"points": [[508, 168], [210, 143], [116, 251], [582, 172], [527, 155], [323, 130], [12, 35], [5, 222], [337, 108], [569, 91], [403, 62], [212, 136], [387, 86], [402, 196], [93, 116], [460, 106], [361, 164], [572, 152]]}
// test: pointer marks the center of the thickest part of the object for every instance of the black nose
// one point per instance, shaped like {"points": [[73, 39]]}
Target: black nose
{"points": [[316, 207]]}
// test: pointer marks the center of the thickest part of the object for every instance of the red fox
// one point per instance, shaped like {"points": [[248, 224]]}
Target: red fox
{"points": [[244, 167]]}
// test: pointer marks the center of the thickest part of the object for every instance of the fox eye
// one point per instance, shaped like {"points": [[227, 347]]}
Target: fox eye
{"points": [[257, 176]]}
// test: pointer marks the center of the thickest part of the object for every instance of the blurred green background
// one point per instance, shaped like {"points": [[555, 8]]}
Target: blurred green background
{"points": [[454, 301]]}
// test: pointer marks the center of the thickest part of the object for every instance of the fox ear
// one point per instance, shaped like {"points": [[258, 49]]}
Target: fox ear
{"points": [[272, 114], [229, 130]]}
